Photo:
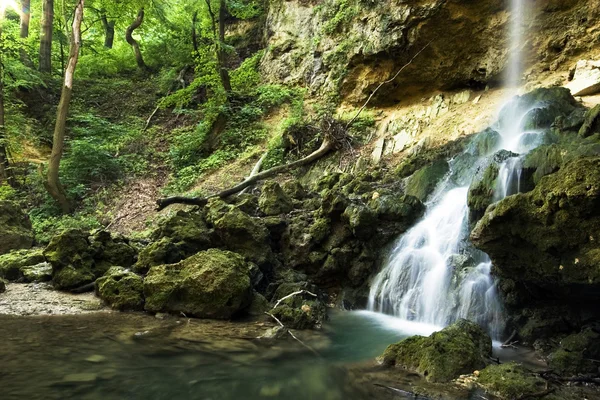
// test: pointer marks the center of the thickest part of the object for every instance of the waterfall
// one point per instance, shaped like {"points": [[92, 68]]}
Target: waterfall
{"points": [[433, 274]]}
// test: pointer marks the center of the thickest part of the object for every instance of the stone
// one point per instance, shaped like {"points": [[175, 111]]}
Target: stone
{"points": [[591, 123], [41, 272], [3, 283], [378, 151], [301, 311], [71, 257], [15, 228], [210, 284], [110, 250], [273, 200], [510, 381], [586, 79], [423, 182], [553, 251], [121, 289], [12, 264], [576, 353], [459, 349]]}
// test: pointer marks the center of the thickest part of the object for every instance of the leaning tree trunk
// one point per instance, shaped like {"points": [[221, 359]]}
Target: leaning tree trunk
{"points": [[221, 56], [53, 184], [46, 36], [109, 31], [139, 59]]}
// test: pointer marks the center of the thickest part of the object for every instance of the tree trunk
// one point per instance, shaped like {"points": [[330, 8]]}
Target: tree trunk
{"points": [[136, 46], [5, 174], [53, 184], [195, 32], [221, 56], [46, 36], [24, 31], [109, 31]]}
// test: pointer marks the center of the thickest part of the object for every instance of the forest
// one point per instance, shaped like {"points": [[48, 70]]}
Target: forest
{"points": [[300, 199]]}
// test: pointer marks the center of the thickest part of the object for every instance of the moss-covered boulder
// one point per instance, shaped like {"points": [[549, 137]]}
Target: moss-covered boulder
{"points": [[458, 349], [548, 237], [302, 310], [362, 221], [210, 284], [245, 235], [576, 353], [41, 272], [177, 237], [423, 182], [71, 257], [121, 289], [111, 250], [510, 381], [591, 122], [15, 228], [273, 200], [12, 264]]}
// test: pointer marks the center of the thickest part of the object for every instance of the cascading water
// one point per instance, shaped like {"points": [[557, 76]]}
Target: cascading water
{"points": [[433, 274]]}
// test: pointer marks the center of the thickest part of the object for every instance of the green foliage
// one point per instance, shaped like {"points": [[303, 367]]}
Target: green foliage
{"points": [[245, 9], [46, 226], [8, 193], [246, 77], [338, 14]]}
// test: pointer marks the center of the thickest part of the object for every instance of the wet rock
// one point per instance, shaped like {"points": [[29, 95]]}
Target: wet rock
{"points": [[273, 200], [548, 237], [3, 283], [210, 284], [177, 237], [121, 289], [458, 349], [15, 228], [510, 381], [591, 123], [259, 305], [12, 264], [71, 257], [423, 182], [301, 311]]}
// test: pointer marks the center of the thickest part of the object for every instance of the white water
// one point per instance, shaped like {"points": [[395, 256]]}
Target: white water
{"points": [[420, 281]]}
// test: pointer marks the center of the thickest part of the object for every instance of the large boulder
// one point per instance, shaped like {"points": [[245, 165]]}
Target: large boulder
{"points": [[423, 182], [210, 284], [458, 349], [547, 238], [177, 237], [15, 228], [112, 250], [273, 200], [510, 381], [71, 256], [121, 289], [576, 353], [13, 263]]}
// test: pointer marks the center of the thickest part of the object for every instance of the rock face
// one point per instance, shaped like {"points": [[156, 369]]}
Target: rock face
{"points": [[458, 349], [547, 238], [349, 47], [586, 78], [15, 228], [273, 200], [121, 289], [209, 284]]}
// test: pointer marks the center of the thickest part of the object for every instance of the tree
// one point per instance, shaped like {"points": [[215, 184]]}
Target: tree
{"points": [[109, 30], [139, 59], [4, 171], [53, 184], [46, 36], [24, 29]]}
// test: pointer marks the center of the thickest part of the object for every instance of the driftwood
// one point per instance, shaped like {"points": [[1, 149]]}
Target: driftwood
{"points": [[335, 136], [292, 295]]}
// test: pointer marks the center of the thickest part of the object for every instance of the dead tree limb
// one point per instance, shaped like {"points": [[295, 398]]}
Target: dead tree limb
{"points": [[325, 148], [292, 295], [292, 335], [256, 169]]}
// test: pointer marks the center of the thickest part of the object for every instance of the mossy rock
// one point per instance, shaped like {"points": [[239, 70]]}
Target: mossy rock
{"points": [[575, 353], [41, 272], [362, 221], [547, 237], [294, 189], [320, 229], [71, 257], [245, 235], [510, 381], [484, 143], [273, 200], [121, 289], [3, 283], [12, 264], [112, 249], [210, 284], [177, 237], [458, 349], [15, 228], [423, 182], [591, 123]]}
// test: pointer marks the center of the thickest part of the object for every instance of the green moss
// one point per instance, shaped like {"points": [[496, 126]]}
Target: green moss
{"points": [[575, 353], [209, 284], [11, 264], [121, 289], [458, 349], [320, 229], [273, 200], [510, 381], [591, 123], [423, 182], [362, 220], [301, 311], [69, 277]]}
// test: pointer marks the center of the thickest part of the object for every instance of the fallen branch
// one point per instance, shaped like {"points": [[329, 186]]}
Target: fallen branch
{"points": [[325, 148], [292, 295], [510, 338], [509, 345], [292, 335], [149, 120], [255, 170]]}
